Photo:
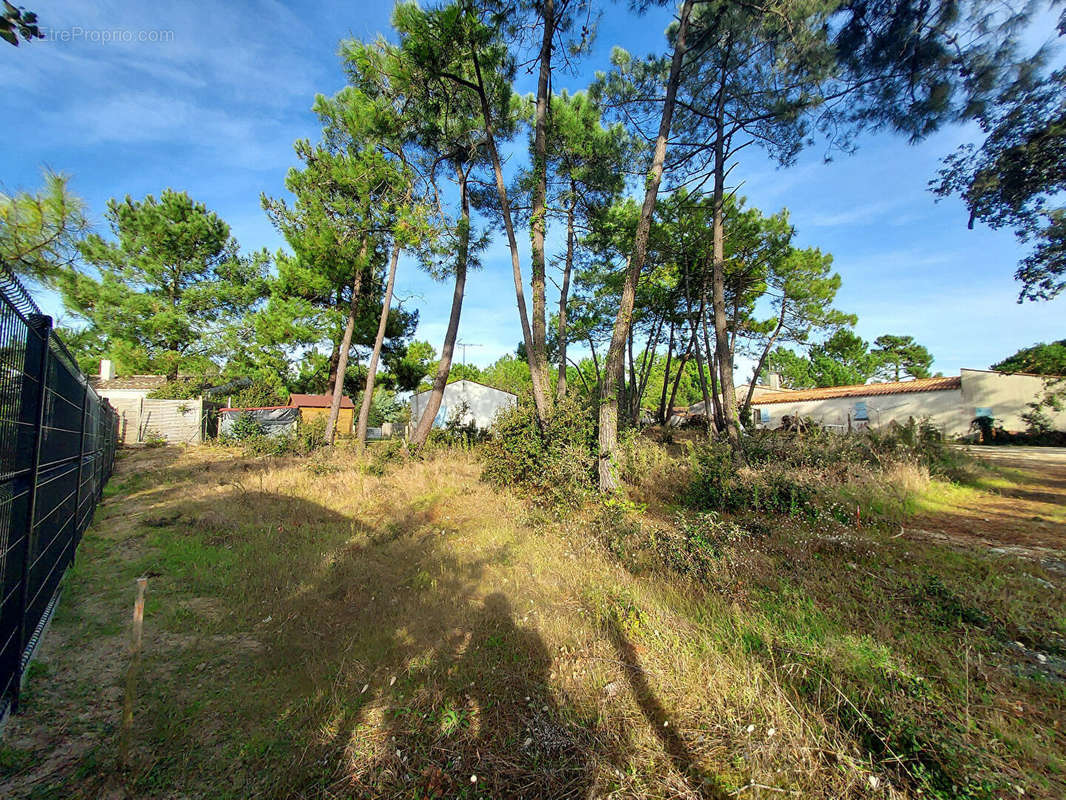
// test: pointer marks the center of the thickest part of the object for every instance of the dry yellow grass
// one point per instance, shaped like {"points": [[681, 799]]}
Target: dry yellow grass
{"points": [[315, 630]]}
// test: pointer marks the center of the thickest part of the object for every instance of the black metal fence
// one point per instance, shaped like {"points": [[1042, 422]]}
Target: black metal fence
{"points": [[57, 448]]}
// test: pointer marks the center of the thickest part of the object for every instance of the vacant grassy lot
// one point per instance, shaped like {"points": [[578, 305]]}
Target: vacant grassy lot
{"points": [[315, 628]]}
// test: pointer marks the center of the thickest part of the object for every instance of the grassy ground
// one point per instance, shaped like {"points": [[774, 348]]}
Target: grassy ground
{"points": [[314, 629]]}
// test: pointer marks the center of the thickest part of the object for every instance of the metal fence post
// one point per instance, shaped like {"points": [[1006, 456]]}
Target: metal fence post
{"points": [[37, 339], [76, 537]]}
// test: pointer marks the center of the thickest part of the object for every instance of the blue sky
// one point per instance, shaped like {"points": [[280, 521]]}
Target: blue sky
{"points": [[132, 98]]}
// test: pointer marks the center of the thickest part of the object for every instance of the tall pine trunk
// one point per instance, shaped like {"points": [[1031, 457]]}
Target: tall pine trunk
{"points": [[631, 395], [708, 412], [335, 356], [712, 368], [666, 377], [564, 292], [536, 366], [721, 323], [765, 353], [608, 412], [346, 346], [440, 380], [375, 355], [538, 220]]}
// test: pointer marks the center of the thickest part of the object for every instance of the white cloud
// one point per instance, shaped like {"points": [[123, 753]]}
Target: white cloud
{"points": [[856, 215]]}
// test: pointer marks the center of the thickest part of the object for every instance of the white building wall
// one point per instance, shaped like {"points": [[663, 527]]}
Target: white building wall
{"points": [[123, 394], [943, 408], [1006, 396], [483, 404], [953, 410]]}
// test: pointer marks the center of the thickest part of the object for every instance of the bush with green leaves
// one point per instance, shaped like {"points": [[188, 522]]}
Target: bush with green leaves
{"points": [[260, 394], [384, 455], [719, 484], [921, 442], [787, 472], [917, 441], [245, 426], [180, 389], [310, 434], [553, 464], [459, 431], [247, 431], [386, 407]]}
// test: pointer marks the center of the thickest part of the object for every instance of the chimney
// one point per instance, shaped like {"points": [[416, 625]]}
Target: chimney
{"points": [[107, 369], [775, 380]]}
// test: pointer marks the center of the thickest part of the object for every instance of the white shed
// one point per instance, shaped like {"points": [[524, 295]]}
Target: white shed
{"points": [[478, 403]]}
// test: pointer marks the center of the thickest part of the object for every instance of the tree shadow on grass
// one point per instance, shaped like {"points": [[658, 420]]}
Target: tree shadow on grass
{"points": [[485, 721], [659, 719], [357, 658], [292, 651]]}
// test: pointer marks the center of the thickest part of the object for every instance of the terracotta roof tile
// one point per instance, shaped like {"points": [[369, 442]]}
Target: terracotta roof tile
{"points": [[862, 390]]}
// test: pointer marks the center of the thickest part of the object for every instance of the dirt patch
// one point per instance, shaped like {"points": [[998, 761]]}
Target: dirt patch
{"points": [[80, 707], [1022, 521]]}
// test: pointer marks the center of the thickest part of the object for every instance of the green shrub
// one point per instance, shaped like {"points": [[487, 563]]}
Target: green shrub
{"points": [[247, 431], [456, 432], [270, 446], [718, 485], [245, 426], [180, 389], [785, 472], [310, 434], [261, 394], [553, 465], [921, 442], [386, 407], [384, 454], [153, 438], [641, 460]]}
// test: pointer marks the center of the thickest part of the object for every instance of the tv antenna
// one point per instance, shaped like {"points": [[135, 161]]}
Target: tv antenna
{"points": [[465, 345]]}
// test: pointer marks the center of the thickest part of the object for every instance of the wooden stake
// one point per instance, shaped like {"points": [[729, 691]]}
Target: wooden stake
{"points": [[131, 674]]}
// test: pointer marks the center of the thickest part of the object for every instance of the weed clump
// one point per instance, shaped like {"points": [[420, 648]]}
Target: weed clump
{"points": [[461, 430], [718, 483], [783, 472], [247, 432], [244, 427], [384, 455], [552, 464]]}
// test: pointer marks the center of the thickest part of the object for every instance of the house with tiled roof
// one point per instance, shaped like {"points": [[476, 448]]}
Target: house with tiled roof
{"points": [[142, 418], [950, 403], [126, 387]]}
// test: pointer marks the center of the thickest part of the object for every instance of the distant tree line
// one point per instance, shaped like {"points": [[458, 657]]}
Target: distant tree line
{"points": [[665, 275]]}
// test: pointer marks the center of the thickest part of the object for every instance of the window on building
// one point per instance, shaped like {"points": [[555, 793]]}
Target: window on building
{"points": [[860, 411], [983, 412]]}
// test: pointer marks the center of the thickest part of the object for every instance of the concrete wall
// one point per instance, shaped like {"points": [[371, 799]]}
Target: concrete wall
{"points": [[943, 408], [123, 394], [483, 404], [1007, 396], [177, 421]]}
